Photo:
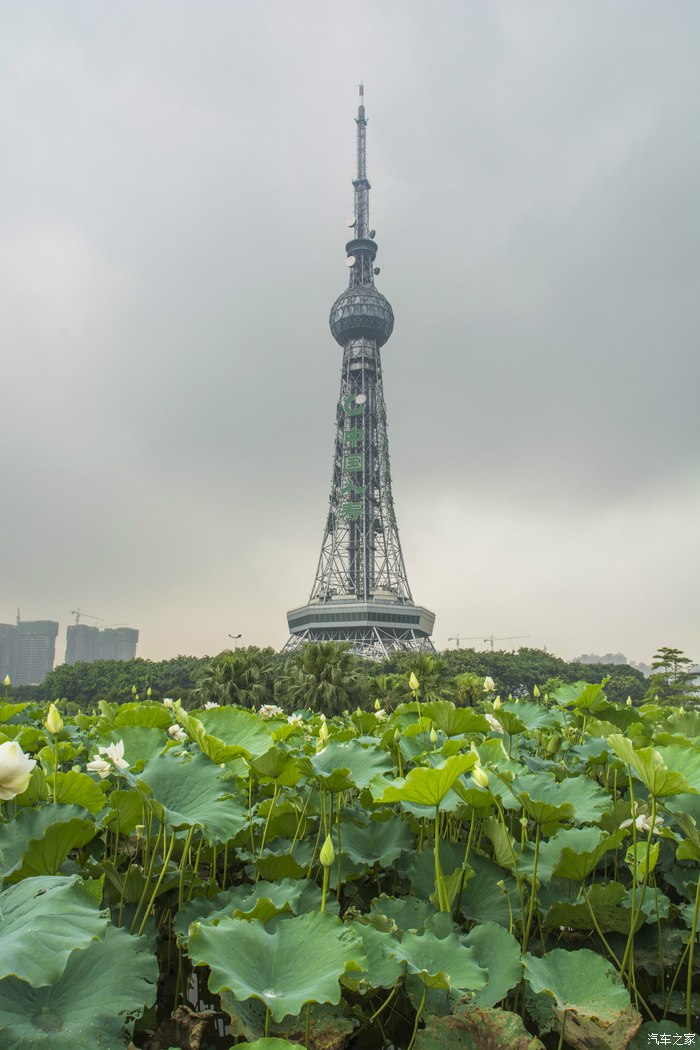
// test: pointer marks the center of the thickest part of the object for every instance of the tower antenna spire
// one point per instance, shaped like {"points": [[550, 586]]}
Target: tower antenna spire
{"points": [[361, 184], [360, 594]]}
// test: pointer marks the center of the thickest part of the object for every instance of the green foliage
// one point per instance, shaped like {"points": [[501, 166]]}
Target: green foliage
{"points": [[558, 879], [672, 680]]}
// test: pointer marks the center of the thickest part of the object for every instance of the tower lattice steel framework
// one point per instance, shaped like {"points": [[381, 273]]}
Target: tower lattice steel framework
{"points": [[361, 594]]}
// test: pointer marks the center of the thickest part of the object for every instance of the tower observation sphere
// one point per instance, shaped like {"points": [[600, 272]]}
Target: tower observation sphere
{"points": [[361, 594]]}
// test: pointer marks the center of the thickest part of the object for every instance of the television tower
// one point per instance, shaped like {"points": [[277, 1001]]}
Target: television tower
{"points": [[361, 594]]}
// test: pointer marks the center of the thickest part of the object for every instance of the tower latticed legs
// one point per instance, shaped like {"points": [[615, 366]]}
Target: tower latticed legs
{"points": [[361, 594]]}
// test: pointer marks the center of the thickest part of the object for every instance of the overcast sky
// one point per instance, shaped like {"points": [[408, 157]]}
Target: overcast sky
{"points": [[174, 190]]}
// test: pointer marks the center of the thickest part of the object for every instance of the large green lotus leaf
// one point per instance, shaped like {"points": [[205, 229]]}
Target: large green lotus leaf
{"points": [[441, 962], [612, 906], [191, 794], [476, 1029], [103, 989], [379, 842], [142, 713], [582, 849], [534, 716], [684, 723], [421, 867], [550, 850], [428, 787], [126, 810], [39, 840], [8, 711], [354, 764], [383, 968], [649, 767], [238, 729], [584, 696], [130, 884], [44, 919], [279, 765], [581, 982], [79, 789], [547, 800], [141, 743], [297, 895], [405, 913], [455, 721], [300, 962], [685, 760], [483, 899], [499, 952]]}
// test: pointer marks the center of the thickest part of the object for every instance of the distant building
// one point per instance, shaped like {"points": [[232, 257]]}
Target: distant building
{"points": [[27, 650], [86, 644]]}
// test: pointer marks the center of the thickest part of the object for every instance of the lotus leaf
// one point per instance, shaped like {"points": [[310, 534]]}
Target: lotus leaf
{"points": [[81, 790], [141, 713], [278, 765], [441, 962], [44, 919], [499, 952], [350, 765], [102, 990], [379, 842], [588, 990], [298, 895], [383, 967], [300, 962], [191, 794], [239, 729], [39, 840], [141, 742], [455, 721], [428, 787], [649, 767], [546, 800]]}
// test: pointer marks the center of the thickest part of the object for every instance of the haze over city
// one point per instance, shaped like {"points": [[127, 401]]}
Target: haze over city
{"points": [[176, 187]]}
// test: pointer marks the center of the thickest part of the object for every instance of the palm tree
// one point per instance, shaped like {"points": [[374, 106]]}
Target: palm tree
{"points": [[243, 677], [324, 676]]}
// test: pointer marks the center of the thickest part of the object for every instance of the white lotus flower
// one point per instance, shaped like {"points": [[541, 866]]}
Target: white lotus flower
{"points": [[489, 684], [494, 723], [270, 711], [167, 701], [15, 770], [178, 733], [101, 766], [642, 820], [295, 719], [210, 705], [380, 714], [113, 758]]}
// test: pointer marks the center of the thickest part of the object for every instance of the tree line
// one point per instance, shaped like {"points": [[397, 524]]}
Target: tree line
{"points": [[326, 676]]}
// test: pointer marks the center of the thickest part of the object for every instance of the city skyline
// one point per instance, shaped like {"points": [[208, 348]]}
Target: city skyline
{"points": [[175, 189]]}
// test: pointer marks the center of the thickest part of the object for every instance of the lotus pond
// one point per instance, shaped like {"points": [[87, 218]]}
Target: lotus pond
{"points": [[524, 874]]}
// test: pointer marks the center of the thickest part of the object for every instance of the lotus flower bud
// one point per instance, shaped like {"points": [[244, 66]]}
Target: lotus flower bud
{"points": [[323, 732], [489, 684], [377, 705], [480, 777], [397, 734], [54, 722], [433, 736], [327, 855], [536, 691], [629, 701], [497, 703], [133, 690], [413, 683], [148, 692], [6, 681]]}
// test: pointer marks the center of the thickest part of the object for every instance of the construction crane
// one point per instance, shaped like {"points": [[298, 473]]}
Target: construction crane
{"points": [[457, 639], [491, 638], [78, 613]]}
